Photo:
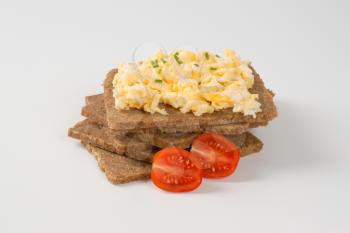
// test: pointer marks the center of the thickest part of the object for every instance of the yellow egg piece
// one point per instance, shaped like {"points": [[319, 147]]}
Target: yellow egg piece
{"points": [[198, 82]]}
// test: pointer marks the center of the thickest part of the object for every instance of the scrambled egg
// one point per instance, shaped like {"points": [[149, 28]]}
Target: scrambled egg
{"points": [[197, 82]]}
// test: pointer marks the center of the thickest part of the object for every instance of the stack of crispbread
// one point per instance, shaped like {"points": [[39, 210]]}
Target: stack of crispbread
{"points": [[124, 141]]}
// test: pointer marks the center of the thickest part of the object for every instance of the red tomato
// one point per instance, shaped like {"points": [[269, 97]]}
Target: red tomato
{"points": [[215, 155], [173, 171]]}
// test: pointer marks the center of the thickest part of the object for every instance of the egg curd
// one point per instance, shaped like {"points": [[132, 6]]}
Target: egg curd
{"points": [[197, 82]]}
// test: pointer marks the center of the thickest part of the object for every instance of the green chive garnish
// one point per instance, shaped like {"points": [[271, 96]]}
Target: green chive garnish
{"points": [[206, 55], [176, 56], [158, 81], [155, 63], [217, 56], [196, 64], [164, 61], [213, 68]]}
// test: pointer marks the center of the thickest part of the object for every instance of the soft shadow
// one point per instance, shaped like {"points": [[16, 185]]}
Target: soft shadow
{"points": [[204, 188], [207, 187], [244, 172], [288, 145]]}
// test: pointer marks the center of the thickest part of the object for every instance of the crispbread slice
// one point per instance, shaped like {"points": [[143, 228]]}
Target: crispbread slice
{"points": [[118, 168], [96, 112], [162, 140], [251, 145], [137, 119], [131, 143], [100, 136]]}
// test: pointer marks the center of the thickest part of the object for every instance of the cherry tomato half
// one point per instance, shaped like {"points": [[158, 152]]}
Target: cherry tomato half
{"points": [[215, 155], [174, 171]]}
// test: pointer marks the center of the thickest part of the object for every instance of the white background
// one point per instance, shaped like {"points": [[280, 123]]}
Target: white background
{"points": [[53, 53]]}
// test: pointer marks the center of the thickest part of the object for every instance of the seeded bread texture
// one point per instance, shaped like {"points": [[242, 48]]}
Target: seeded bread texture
{"points": [[118, 168], [251, 145], [137, 119], [95, 111], [100, 137]]}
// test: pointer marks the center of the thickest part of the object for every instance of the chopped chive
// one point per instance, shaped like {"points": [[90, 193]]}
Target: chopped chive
{"points": [[196, 64], [159, 71], [164, 61], [155, 63], [206, 55], [177, 59], [216, 55], [213, 68], [158, 81]]}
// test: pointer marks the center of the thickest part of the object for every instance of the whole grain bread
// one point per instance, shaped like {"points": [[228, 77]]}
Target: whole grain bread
{"points": [[96, 112], [138, 119], [162, 140], [251, 145], [120, 169], [101, 137]]}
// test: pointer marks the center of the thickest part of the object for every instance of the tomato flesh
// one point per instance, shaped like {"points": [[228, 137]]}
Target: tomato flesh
{"points": [[174, 171], [215, 155]]}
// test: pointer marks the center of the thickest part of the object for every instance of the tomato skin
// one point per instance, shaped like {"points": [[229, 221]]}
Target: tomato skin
{"points": [[174, 171], [215, 155]]}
